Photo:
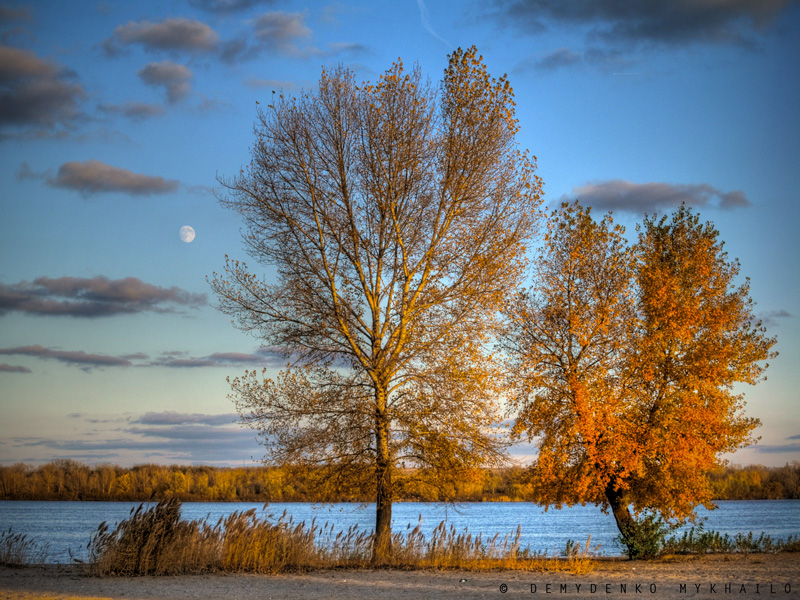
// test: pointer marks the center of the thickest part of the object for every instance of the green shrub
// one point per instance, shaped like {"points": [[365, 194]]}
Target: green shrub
{"points": [[699, 541], [645, 539]]}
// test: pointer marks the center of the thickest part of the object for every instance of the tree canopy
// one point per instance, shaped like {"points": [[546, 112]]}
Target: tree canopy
{"points": [[624, 359], [394, 218]]}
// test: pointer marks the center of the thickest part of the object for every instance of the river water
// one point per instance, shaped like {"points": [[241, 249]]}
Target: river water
{"points": [[68, 526]]}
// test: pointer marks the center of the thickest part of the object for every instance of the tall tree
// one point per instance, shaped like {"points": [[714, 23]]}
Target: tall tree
{"points": [[624, 361], [396, 219]]}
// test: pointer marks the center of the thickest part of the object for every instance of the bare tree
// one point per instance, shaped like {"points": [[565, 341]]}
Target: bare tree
{"points": [[394, 218]]}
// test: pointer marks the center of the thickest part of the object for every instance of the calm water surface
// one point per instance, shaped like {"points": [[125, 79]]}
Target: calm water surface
{"points": [[68, 526]]}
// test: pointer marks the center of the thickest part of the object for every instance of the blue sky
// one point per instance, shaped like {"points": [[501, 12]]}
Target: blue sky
{"points": [[117, 117]]}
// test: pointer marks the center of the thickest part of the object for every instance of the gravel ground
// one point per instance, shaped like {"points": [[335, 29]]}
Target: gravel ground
{"points": [[760, 577]]}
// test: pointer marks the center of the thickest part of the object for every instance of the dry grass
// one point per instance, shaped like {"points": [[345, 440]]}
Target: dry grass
{"points": [[448, 548], [17, 549], [253, 545], [155, 541]]}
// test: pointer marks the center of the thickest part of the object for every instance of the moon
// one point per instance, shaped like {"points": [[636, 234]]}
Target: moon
{"points": [[187, 234]]}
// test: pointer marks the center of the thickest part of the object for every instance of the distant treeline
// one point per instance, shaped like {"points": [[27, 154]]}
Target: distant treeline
{"points": [[70, 480]]}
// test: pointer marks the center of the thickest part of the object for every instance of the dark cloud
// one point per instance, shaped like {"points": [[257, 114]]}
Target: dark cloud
{"points": [[175, 78], [238, 49], [331, 13], [170, 34], [609, 59], [174, 418], [563, 57], [9, 14], [184, 363], [639, 198], [4, 368], [103, 135], [228, 6], [771, 318], [97, 420], [276, 32], [79, 358], [199, 438], [273, 84], [604, 58], [93, 297], [349, 49], [11, 21], [34, 92], [212, 105], [237, 357], [662, 21], [201, 190], [778, 448], [279, 30], [174, 360], [173, 439], [25, 172], [17, 64], [192, 432], [264, 357], [136, 111], [93, 177]]}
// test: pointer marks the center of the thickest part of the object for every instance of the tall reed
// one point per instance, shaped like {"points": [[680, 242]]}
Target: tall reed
{"points": [[155, 541], [18, 549]]}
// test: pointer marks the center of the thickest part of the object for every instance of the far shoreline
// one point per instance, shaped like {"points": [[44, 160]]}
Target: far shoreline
{"points": [[69, 480], [351, 502]]}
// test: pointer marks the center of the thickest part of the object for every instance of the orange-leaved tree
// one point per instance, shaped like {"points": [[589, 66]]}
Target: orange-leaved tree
{"points": [[624, 359], [396, 218]]}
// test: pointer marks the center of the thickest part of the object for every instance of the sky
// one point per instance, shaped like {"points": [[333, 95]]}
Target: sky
{"points": [[117, 118]]}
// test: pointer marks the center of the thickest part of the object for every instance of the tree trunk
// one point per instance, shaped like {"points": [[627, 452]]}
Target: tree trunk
{"points": [[619, 507], [382, 549]]}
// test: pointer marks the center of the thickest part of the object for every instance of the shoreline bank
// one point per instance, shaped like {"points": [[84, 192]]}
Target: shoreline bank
{"points": [[774, 576]]}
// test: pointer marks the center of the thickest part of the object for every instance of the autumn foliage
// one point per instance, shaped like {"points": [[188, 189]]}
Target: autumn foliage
{"points": [[625, 357], [393, 218], [394, 221], [70, 480]]}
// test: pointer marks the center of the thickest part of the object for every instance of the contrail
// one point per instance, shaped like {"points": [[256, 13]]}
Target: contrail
{"points": [[426, 23]]}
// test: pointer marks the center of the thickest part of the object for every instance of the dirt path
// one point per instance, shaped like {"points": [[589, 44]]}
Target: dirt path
{"points": [[759, 577]]}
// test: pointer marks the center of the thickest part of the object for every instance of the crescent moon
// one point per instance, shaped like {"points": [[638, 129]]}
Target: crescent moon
{"points": [[187, 234]]}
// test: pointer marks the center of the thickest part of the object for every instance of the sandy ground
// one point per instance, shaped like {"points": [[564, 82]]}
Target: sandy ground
{"points": [[761, 577]]}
